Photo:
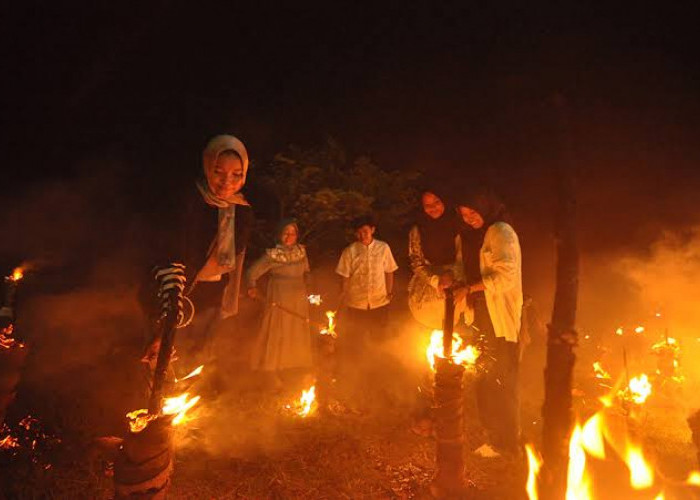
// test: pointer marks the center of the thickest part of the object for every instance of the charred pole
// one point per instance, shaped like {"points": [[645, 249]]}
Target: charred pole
{"points": [[449, 476], [562, 336], [171, 283]]}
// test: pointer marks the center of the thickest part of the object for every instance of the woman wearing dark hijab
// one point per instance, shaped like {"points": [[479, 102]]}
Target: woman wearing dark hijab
{"points": [[284, 338], [494, 300], [433, 251]]}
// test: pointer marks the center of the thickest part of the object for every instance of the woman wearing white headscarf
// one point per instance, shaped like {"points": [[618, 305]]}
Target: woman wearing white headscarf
{"points": [[216, 229]]}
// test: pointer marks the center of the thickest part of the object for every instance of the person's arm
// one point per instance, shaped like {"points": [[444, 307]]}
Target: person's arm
{"points": [[255, 272], [417, 261], [504, 269], [343, 269], [389, 280]]}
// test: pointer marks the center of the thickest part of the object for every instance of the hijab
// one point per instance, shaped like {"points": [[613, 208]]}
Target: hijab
{"points": [[283, 253], [225, 244], [437, 236]]}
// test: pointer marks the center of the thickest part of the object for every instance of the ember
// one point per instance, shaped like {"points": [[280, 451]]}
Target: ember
{"points": [[314, 300]]}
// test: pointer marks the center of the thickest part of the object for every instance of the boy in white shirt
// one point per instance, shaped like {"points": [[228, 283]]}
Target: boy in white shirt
{"points": [[367, 267]]}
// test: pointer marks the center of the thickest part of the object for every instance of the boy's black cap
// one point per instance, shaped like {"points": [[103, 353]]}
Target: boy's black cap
{"points": [[363, 220]]}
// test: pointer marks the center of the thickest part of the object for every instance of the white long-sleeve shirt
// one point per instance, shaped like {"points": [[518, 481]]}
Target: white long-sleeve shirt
{"points": [[500, 262], [365, 267]]}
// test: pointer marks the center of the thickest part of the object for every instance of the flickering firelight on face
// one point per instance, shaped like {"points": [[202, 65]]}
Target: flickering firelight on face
{"points": [[226, 178], [288, 236], [432, 205], [471, 217], [365, 234]]}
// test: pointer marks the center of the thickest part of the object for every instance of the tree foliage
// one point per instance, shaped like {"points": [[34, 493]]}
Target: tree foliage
{"points": [[324, 190]]}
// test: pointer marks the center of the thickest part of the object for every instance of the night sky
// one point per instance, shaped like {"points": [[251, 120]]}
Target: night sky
{"points": [[449, 87]]}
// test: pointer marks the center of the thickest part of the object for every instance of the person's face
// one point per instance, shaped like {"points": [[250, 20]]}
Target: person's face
{"points": [[289, 235], [432, 205], [471, 217], [226, 178], [365, 234]]}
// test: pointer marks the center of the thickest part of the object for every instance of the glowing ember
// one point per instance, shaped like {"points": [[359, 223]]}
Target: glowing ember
{"points": [[641, 474], [638, 390], [578, 483], [314, 300], [139, 419], [330, 330], [619, 331], [193, 373], [461, 355], [8, 442], [600, 371], [534, 463], [639, 329]]}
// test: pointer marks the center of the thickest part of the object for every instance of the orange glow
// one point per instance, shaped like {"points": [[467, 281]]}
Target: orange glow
{"points": [[178, 406], [638, 390], [619, 331], [330, 329], [534, 463], [578, 483], [641, 473], [461, 355], [592, 436], [693, 478], [8, 442], [639, 329], [193, 373], [600, 371], [17, 274]]}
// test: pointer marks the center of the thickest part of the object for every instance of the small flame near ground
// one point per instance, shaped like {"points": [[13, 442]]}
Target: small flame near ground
{"points": [[330, 329], [177, 406], [465, 355], [534, 462], [641, 473], [306, 404]]}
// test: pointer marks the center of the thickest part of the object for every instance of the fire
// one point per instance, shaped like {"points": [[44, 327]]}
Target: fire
{"points": [[619, 331], [314, 300], [600, 371], [330, 329], [461, 355], [193, 373], [534, 463], [592, 436], [578, 482], [638, 389], [641, 473], [639, 329], [178, 406], [306, 405], [9, 442], [17, 274], [693, 478]]}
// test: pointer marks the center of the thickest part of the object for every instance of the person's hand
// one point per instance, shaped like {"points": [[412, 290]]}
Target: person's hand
{"points": [[253, 293], [446, 280]]}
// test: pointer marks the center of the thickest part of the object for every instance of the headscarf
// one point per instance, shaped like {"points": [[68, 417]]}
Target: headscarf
{"points": [[438, 235], [283, 253], [492, 210], [225, 246]]}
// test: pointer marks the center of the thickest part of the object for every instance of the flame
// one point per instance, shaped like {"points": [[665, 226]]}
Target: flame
{"points": [[641, 473], [600, 371], [178, 406], [592, 436], [619, 331], [534, 463], [314, 300], [461, 355], [330, 330], [660, 496], [306, 404], [17, 274], [639, 329], [578, 482], [193, 373], [693, 478], [638, 389]]}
